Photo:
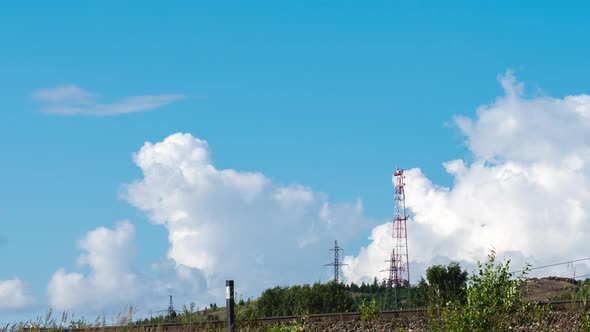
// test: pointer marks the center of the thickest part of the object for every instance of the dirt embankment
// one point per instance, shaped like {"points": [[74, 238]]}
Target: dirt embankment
{"points": [[550, 288]]}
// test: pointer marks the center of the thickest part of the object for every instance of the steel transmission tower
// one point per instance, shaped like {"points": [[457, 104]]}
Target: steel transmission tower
{"points": [[171, 311], [336, 264], [391, 270], [399, 268], [391, 295]]}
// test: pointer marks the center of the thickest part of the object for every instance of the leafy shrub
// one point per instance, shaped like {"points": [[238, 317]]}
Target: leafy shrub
{"points": [[494, 301], [584, 324], [294, 326], [188, 314], [583, 293], [369, 311], [246, 314]]}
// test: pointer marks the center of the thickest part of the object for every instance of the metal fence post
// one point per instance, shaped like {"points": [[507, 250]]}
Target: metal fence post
{"points": [[230, 305]]}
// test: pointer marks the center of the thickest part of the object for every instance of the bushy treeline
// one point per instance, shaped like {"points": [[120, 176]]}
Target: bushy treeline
{"points": [[490, 299], [331, 297], [443, 284], [300, 300]]}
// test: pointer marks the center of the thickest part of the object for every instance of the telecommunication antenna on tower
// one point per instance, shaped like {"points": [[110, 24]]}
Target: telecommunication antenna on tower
{"points": [[400, 231], [336, 264], [399, 268]]}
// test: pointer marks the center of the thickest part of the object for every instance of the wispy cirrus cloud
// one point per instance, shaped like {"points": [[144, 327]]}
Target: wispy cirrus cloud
{"points": [[73, 100]]}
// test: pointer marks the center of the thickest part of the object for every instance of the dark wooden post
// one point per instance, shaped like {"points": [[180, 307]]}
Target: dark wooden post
{"points": [[230, 305]]}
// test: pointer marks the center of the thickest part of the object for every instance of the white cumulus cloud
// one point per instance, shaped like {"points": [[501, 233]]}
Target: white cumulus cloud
{"points": [[221, 223], [109, 254], [235, 224], [525, 193], [73, 100], [13, 295], [113, 282]]}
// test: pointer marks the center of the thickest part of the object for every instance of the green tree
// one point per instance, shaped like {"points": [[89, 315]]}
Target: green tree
{"points": [[336, 298], [420, 294], [374, 286], [271, 301], [447, 283]]}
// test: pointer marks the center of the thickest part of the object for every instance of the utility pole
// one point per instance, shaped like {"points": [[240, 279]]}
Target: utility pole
{"points": [[336, 264]]}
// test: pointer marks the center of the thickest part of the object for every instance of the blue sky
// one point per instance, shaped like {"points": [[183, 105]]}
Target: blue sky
{"points": [[330, 95]]}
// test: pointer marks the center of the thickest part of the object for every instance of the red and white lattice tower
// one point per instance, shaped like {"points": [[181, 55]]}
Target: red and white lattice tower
{"points": [[399, 264]]}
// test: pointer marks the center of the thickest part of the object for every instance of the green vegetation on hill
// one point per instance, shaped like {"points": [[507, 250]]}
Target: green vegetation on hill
{"points": [[306, 299], [444, 284], [489, 299]]}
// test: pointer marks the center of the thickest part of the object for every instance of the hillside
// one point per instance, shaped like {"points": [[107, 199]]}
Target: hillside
{"points": [[550, 288]]}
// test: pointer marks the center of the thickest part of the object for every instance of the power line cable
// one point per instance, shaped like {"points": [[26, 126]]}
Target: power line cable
{"points": [[554, 264]]}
